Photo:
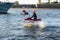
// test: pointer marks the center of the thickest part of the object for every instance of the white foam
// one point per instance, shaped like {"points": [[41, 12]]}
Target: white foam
{"points": [[41, 24]]}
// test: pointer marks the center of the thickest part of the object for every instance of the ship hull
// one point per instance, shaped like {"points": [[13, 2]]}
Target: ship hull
{"points": [[4, 7]]}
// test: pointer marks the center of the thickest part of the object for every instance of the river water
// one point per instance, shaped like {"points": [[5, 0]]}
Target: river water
{"points": [[11, 25]]}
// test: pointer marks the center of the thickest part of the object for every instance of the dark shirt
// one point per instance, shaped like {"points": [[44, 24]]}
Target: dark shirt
{"points": [[25, 12], [34, 16]]}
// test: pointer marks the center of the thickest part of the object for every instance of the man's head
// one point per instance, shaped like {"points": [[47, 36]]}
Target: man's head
{"points": [[24, 10], [34, 11]]}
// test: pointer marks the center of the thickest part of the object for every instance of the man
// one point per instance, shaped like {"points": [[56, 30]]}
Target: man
{"points": [[34, 15], [25, 12]]}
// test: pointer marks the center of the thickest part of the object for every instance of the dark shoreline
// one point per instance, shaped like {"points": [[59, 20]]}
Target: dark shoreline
{"points": [[35, 8], [50, 6]]}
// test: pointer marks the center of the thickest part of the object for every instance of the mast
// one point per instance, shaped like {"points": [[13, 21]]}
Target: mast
{"points": [[39, 1], [49, 1]]}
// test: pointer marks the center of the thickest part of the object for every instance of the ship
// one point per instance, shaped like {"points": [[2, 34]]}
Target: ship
{"points": [[5, 6]]}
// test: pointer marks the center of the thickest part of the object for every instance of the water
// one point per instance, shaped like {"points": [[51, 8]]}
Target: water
{"points": [[11, 25]]}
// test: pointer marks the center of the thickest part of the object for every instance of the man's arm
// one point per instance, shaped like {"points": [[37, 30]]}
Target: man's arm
{"points": [[32, 16]]}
